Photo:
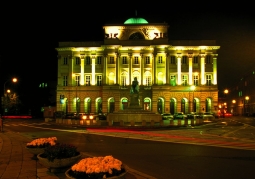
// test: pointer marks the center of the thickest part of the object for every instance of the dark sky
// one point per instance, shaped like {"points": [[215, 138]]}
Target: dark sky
{"points": [[30, 32]]}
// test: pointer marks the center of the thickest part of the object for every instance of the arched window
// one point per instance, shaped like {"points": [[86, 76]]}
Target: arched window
{"points": [[136, 36]]}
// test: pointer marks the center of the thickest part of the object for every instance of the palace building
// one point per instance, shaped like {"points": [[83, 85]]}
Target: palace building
{"points": [[173, 75]]}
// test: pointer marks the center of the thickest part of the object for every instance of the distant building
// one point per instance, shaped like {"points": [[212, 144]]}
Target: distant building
{"points": [[95, 77], [241, 98]]}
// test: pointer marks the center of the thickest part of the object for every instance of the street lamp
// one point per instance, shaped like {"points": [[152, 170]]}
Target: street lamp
{"points": [[233, 108], [14, 80], [246, 104]]}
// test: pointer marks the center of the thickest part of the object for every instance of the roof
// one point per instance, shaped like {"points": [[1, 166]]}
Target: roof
{"points": [[136, 20]]}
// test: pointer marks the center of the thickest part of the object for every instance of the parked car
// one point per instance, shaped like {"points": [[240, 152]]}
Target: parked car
{"points": [[102, 116], [226, 114], [180, 115], [168, 116], [193, 115], [207, 115], [70, 116]]}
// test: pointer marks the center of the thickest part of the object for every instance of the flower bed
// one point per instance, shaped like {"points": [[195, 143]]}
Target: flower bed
{"points": [[42, 142], [60, 151], [96, 168]]}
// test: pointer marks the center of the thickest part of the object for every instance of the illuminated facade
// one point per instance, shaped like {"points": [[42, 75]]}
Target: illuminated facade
{"points": [[95, 77]]}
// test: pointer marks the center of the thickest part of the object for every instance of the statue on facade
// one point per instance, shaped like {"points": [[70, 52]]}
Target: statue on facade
{"points": [[135, 86]]}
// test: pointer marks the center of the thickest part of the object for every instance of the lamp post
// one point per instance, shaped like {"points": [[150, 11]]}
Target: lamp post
{"points": [[14, 80], [225, 103], [234, 107], [246, 104]]}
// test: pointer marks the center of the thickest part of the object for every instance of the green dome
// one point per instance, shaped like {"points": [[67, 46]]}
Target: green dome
{"points": [[136, 20]]}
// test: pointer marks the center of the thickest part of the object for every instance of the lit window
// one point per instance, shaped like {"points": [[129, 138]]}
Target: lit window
{"points": [[111, 60], [173, 60], [208, 59], [99, 60], [65, 60], [184, 60], [160, 59], [77, 61], [99, 80], [208, 80], [87, 60], [195, 59], [136, 61], [195, 78], [87, 80], [123, 80], [148, 80], [64, 80], [147, 60], [185, 80], [124, 60], [77, 80]]}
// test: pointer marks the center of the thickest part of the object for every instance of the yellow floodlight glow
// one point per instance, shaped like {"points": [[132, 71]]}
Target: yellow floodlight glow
{"points": [[14, 80], [226, 91], [193, 87]]}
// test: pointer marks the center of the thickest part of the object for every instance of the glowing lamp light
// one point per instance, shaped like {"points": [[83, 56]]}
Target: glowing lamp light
{"points": [[14, 80], [193, 87]]}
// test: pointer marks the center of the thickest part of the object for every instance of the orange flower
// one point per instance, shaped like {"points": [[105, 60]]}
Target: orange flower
{"points": [[97, 165]]}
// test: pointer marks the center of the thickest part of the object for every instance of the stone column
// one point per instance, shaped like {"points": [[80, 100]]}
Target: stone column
{"points": [[117, 68], [82, 69], [167, 68], [202, 69], [190, 69], [179, 82], [215, 69]]}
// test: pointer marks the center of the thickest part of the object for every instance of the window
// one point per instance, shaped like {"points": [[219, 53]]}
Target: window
{"points": [[185, 80], [160, 59], [124, 60], [65, 60], [111, 60], [123, 80], [147, 60], [87, 80], [77, 60], [208, 59], [136, 61], [87, 60], [64, 80], [184, 59], [172, 80], [77, 80], [195, 78], [99, 60], [173, 60], [208, 80], [195, 59], [99, 80], [148, 81]]}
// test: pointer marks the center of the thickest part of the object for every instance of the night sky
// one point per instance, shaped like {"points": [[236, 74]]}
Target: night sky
{"points": [[30, 32]]}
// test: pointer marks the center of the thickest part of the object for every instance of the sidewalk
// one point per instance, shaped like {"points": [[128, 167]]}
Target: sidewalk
{"points": [[16, 162]]}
